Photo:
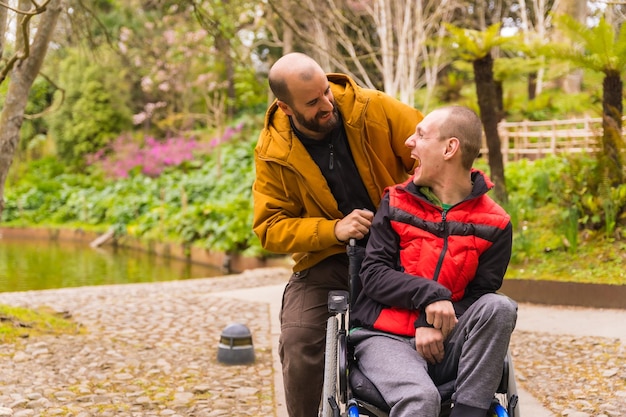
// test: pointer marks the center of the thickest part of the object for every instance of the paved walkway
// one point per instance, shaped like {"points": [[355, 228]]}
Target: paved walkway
{"points": [[149, 350], [143, 350], [570, 321]]}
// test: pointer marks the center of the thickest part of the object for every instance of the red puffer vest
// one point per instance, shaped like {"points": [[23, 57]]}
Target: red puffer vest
{"points": [[444, 246]]}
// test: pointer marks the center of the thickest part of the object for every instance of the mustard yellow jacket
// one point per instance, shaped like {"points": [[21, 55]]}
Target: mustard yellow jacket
{"points": [[294, 209]]}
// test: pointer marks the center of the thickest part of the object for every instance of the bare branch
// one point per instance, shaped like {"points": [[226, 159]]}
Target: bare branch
{"points": [[24, 52], [50, 109], [32, 12]]}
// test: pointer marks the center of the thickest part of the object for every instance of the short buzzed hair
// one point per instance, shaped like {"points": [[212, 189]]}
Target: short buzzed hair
{"points": [[464, 124], [279, 88]]}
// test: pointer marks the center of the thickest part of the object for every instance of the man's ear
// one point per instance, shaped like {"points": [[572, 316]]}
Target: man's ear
{"points": [[284, 107], [453, 146]]}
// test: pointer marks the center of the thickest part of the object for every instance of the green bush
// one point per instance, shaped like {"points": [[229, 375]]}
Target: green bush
{"points": [[95, 109], [208, 202], [561, 197], [557, 204]]}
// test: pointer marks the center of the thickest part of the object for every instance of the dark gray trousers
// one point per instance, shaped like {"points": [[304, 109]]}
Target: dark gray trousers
{"points": [[302, 339], [474, 353]]}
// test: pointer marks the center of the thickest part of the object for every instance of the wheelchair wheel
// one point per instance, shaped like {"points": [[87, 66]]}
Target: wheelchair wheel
{"points": [[497, 410], [512, 399], [329, 391], [505, 403]]}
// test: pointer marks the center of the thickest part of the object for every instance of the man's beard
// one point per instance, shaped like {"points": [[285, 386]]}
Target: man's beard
{"points": [[315, 126]]}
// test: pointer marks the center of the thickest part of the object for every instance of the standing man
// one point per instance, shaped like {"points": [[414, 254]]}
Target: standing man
{"points": [[428, 312], [327, 150]]}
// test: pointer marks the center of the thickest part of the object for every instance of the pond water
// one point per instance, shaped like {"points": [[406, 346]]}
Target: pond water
{"points": [[44, 264]]}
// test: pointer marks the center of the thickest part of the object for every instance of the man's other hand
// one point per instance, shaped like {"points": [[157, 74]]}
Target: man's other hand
{"points": [[441, 316]]}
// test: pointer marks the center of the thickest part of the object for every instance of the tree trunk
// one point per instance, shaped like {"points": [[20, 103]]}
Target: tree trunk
{"points": [[532, 85], [230, 75], [612, 141], [21, 80], [499, 89], [577, 9], [3, 28], [487, 102], [223, 46]]}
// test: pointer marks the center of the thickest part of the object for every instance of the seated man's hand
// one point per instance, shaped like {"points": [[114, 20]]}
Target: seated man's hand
{"points": [[440, 315], [429, 344]]}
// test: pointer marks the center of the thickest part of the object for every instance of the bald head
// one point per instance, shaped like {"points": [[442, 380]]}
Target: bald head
{"points": [[288, 68]]}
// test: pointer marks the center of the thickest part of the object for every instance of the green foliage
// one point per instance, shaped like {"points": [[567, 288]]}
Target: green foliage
{"points": [[450, 86], [208, 203], [251, 95], [562, 198], [600, 48], [566, 227], [540, 108], [470, 45], [557, 204], [40, 192], [34, 129], [95, 109]]}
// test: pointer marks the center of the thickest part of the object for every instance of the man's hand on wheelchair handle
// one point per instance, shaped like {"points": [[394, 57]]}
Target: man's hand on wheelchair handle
{"points": [[441, 316], [354, 225]]}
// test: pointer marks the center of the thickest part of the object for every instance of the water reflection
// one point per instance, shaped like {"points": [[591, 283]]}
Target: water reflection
{"points": [[42, 264]]}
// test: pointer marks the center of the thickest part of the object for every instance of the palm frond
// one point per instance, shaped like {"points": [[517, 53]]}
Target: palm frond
{"points": [[469, 44], [598, 48]]}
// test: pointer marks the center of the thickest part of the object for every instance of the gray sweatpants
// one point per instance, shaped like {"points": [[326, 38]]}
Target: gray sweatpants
{"points": [[474, 353]]}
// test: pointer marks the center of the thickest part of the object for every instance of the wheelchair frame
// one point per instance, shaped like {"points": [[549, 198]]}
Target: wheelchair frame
{"points": [[338, 398]]}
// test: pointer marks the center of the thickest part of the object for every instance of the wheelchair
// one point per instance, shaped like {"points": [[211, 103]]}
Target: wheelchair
{"points": [[348, 393]]}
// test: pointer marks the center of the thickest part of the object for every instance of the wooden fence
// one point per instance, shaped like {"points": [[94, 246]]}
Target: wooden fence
{"points": [[533, 140]]}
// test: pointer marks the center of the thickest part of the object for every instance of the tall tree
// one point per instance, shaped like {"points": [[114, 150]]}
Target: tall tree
{"points": [[228, 22], [382, 44], [534, 24], [577, 11], [601, 48], [476, 46], [22, 68]]}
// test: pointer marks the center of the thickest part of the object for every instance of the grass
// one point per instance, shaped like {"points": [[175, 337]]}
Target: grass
{"points": [[549, 246], [599, 261], [19, 323]]}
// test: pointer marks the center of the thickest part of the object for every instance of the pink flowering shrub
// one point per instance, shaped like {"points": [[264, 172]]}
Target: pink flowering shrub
{"points": [[152, 156], [227, 136], [124, 155]]}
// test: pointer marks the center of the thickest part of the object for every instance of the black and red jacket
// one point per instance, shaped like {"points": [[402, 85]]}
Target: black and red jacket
{"points": [[419, 253]]}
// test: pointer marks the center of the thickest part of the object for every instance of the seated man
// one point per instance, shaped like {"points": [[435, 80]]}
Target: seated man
{"points": [[437, 253]]}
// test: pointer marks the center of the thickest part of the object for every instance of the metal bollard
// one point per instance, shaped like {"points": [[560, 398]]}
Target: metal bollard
{"points": [[235, 347]]}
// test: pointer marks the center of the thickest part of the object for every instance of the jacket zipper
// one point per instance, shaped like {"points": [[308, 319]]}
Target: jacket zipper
{"points": [[331, 161], [444, 226]]}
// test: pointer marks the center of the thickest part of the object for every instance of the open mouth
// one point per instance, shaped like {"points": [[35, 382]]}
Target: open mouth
{"points": [[325, 116]]}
